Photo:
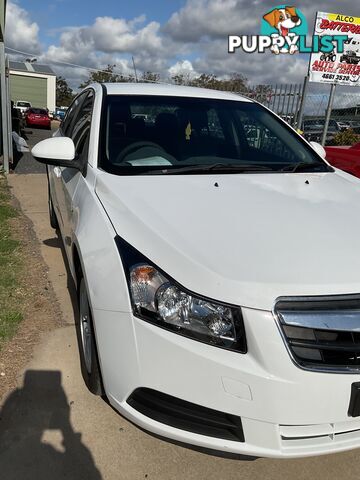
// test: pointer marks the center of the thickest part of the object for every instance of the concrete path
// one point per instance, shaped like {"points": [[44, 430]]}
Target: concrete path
{"points": [[51, 427]]}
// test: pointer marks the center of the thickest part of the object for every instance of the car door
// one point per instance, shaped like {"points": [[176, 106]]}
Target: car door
{"points": [[55, 173], [69, 178]]}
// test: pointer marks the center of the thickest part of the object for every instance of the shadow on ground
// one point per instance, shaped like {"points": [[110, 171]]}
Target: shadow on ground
{"points": [[56, 242], [37, 440]]}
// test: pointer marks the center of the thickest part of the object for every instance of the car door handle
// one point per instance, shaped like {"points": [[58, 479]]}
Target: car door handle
{"points": [[57, 172]]}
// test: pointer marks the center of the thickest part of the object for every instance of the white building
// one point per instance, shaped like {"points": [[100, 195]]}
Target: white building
{"points": [[33, 83]]}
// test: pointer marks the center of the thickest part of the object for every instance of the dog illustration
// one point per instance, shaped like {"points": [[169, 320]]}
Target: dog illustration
{"points": [[283, 19]]}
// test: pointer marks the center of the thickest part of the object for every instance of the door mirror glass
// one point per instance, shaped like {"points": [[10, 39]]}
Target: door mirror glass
{"points": [[319, 149], [58, 151]]}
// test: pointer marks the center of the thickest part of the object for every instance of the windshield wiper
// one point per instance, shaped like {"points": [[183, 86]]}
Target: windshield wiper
{"points": [[306, 166], [215, 167]]}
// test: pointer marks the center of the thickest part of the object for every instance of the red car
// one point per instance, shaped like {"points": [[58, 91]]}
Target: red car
{"points": [[37, 117], [345, 158]]}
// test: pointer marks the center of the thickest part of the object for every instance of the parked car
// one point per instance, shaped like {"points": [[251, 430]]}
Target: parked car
{"points": [[355, 126], [22, 106], [37, 117], [60, 113], [314, 128], [217, 276], [345, 158]]}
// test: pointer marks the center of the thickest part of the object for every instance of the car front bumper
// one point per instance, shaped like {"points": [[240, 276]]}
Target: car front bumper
{"points": [[284, 410]]}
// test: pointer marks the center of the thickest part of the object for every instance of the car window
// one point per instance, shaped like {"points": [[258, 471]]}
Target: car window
{"points": [[38, 111], [67, 124], [143, 133], [81, 124], [263, 140]]}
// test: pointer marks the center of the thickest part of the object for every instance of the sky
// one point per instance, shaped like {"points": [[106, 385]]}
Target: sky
{"points": [[164, 36]]}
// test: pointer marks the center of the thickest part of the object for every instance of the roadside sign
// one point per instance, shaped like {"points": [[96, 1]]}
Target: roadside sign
{"points": [[342, 68]]}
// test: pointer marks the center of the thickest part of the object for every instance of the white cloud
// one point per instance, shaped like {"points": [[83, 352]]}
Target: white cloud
{"points": [[192, 41], [212, 18], [219, 18], [183, 67], [21, 33]]}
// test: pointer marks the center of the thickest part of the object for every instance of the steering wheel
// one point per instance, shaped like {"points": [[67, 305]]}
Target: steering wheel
{"points": [[136, 146]]}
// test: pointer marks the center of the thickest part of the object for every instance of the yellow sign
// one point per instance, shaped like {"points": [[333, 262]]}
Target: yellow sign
{"points": [[337, 17]]}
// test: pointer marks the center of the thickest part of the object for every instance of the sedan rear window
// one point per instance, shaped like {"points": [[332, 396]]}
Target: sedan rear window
{"points": [[149, 134], [38, 111]]}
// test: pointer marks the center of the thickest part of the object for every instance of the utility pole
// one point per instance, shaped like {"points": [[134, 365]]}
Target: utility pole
{"points": [[136, 77]]}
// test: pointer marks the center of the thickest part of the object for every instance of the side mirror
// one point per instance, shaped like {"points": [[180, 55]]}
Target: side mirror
{"points": [[319, 149], [58, 151]]}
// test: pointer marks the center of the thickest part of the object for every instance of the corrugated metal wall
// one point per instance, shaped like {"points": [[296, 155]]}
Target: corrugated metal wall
{"points": [[30, 89]]}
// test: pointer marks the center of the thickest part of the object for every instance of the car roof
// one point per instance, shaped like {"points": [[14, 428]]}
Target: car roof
{"points": [[170, 90]]}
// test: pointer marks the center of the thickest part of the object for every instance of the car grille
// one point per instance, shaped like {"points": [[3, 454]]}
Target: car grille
{"points": [[185, 415], [322, 333]]}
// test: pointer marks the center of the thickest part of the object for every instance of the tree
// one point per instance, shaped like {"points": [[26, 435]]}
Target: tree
{"points": [[182, 78], [107, 75], [64, 94], [347, 137], [235, 83], [149, 77]]}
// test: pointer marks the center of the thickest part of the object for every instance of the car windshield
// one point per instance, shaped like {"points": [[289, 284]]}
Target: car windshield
{"points": [[165, 135], [23, 104], [38, 111]]}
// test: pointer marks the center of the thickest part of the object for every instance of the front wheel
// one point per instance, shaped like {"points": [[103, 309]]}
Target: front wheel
{"points": [[89, 361]]}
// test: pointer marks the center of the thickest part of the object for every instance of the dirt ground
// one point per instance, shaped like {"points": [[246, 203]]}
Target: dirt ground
{"points": [[40, 306]]}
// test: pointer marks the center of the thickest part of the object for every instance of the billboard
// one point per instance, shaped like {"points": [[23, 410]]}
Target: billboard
{"points": [[342, 68]]}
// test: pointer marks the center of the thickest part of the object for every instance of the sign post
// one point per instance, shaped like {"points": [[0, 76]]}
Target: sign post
{"points": [[328, 113]]}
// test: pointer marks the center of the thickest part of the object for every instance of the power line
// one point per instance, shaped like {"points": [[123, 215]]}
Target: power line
{"points": [[61, 63], [91, 69]]}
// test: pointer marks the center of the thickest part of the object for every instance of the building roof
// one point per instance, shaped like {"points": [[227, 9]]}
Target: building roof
{"points": [[169, 90], [31, 67]]}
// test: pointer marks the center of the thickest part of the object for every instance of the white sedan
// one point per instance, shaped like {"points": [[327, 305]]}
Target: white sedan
{"points": [[217, 263]]}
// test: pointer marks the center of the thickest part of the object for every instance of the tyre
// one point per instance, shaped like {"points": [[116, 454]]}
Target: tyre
{"points": [[89, 361], [52, 215]]}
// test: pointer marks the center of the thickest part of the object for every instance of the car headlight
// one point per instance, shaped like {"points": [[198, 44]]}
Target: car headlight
{"points": [[160, 300]]}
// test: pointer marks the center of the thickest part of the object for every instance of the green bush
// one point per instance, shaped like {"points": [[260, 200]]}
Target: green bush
{"points": [[347, 137]]}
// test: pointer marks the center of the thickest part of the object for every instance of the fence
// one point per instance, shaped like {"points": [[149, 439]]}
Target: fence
{"points": [[286, 99]]}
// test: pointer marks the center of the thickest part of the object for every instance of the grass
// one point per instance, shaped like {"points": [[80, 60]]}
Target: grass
{"points": [[10, 268]]}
